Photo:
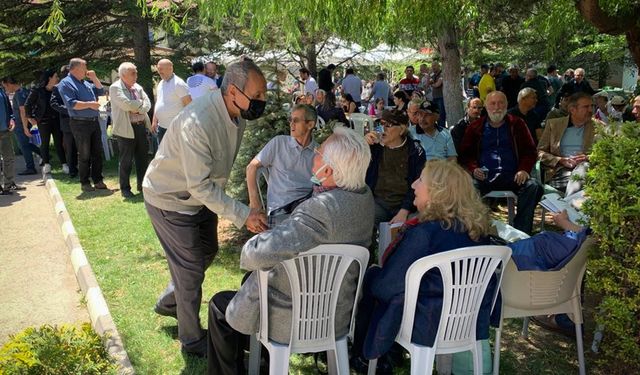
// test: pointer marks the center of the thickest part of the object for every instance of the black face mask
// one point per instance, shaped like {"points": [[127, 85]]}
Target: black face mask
{"points": [[255, 110]]}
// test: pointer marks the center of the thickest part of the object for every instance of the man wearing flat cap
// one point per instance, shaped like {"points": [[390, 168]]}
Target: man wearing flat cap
{"points": [[436, 143], [396, 161]]}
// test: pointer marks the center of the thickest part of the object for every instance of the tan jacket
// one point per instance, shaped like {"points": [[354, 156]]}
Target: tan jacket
{"points": [[122, 103], [549, 145]]}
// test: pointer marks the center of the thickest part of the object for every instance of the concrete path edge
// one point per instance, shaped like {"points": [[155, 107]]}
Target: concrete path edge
{"points": [[101, 319]]}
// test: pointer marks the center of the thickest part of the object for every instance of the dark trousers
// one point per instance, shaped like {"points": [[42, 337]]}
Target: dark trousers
{"points": [[71, 152], [130, 149], [26, 147], [190, 243], [161, 132], [529, 194], [225, 346], [88, 138], [51, 127]]}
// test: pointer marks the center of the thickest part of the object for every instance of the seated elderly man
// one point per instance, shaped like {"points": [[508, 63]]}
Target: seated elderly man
{"points": [[340, 211], [288, 158], [565, 143], [436, 143], [527, 99], [499, 153], [474, 109]]}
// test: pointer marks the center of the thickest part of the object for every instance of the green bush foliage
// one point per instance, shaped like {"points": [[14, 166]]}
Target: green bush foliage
{"points": [[613, 185], [51, 350]]}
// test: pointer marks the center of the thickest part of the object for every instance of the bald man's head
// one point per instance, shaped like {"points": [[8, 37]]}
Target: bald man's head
{"points": [[165, 69]]}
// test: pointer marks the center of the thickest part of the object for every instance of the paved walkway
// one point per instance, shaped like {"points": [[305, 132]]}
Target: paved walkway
{"points": [[37, 282]]}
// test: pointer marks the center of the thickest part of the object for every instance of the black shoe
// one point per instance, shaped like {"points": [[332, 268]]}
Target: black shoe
{"points": [[198, 348], [13, 187], [100, 185], [87, 188], [165, 311], [127, 194], [5, 192], [27, 172]]}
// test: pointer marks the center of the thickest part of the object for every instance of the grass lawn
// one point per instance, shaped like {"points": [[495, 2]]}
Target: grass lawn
{"points": [[129, 264]]}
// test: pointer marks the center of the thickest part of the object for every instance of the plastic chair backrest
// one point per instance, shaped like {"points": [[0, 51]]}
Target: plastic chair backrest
{"points": [[524, 292], [359, 121], [262, 172], [315, 277], [466, 273]]}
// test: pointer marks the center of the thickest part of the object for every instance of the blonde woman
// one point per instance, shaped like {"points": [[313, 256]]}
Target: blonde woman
{"points": [[450, 215]]}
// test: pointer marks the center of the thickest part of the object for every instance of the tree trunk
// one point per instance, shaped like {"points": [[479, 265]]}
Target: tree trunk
{"points": [[142, 54], [612, 25], [452, 89], [312, 59]]}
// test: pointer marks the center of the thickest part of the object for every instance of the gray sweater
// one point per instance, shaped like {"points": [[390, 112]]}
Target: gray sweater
{"points": [[193, 163], [332, 217]]}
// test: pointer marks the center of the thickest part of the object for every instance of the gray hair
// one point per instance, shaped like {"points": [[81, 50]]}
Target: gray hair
{"points": [[237, 73], [126, 67], [320, 91], [415, 102], [526, 92], [75, 62], [310, 113], [347, 153]]}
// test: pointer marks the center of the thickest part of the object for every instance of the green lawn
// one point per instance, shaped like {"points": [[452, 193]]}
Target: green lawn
{"points": [[128, 262]]}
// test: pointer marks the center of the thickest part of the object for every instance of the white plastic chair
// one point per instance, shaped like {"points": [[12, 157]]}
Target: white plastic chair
{"points": [[511, 198], [262, 173], [530, 293], [315, 277], [359, 121], [466, 273]]}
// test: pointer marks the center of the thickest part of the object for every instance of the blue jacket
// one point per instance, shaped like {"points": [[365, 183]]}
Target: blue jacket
{"points": [[547, 251], [416, 163], [384, 289]]}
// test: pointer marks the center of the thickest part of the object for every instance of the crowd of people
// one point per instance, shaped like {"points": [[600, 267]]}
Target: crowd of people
{"points": [[416, 171]]}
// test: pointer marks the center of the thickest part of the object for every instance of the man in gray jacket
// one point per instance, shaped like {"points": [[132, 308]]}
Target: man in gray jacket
{"points": [[184, 191], [339, 212]]}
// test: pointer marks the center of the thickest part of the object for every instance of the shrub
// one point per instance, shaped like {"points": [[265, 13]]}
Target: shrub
{"points": [[55, 350], [613, 185]]}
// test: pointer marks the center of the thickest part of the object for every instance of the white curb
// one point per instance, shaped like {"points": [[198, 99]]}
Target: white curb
{"points": [[101, 319]]}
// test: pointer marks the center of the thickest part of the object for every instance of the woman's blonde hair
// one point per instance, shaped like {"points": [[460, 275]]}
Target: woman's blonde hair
{"points": [[453, 199]]}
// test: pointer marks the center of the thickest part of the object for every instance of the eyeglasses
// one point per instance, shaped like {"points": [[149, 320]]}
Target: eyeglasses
{"points": [[296, 120], [388, 124]]}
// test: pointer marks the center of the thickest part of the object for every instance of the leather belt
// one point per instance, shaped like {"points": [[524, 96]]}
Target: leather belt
{"points": [[138, 123], [85, 118]]}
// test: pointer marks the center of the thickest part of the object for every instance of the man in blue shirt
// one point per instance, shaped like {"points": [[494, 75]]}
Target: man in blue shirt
{"points": [[436, 143], [22, 133], [81, 99]]}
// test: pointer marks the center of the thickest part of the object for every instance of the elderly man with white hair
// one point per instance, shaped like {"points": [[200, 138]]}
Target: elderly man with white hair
{"points": [[340, 211], [129, 107], [527, 100]]}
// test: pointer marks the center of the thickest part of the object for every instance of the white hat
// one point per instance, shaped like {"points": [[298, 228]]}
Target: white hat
{"points": [[618, 100]]}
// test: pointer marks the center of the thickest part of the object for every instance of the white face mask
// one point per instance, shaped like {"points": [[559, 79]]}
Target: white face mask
{"points": [[314, 178]]}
